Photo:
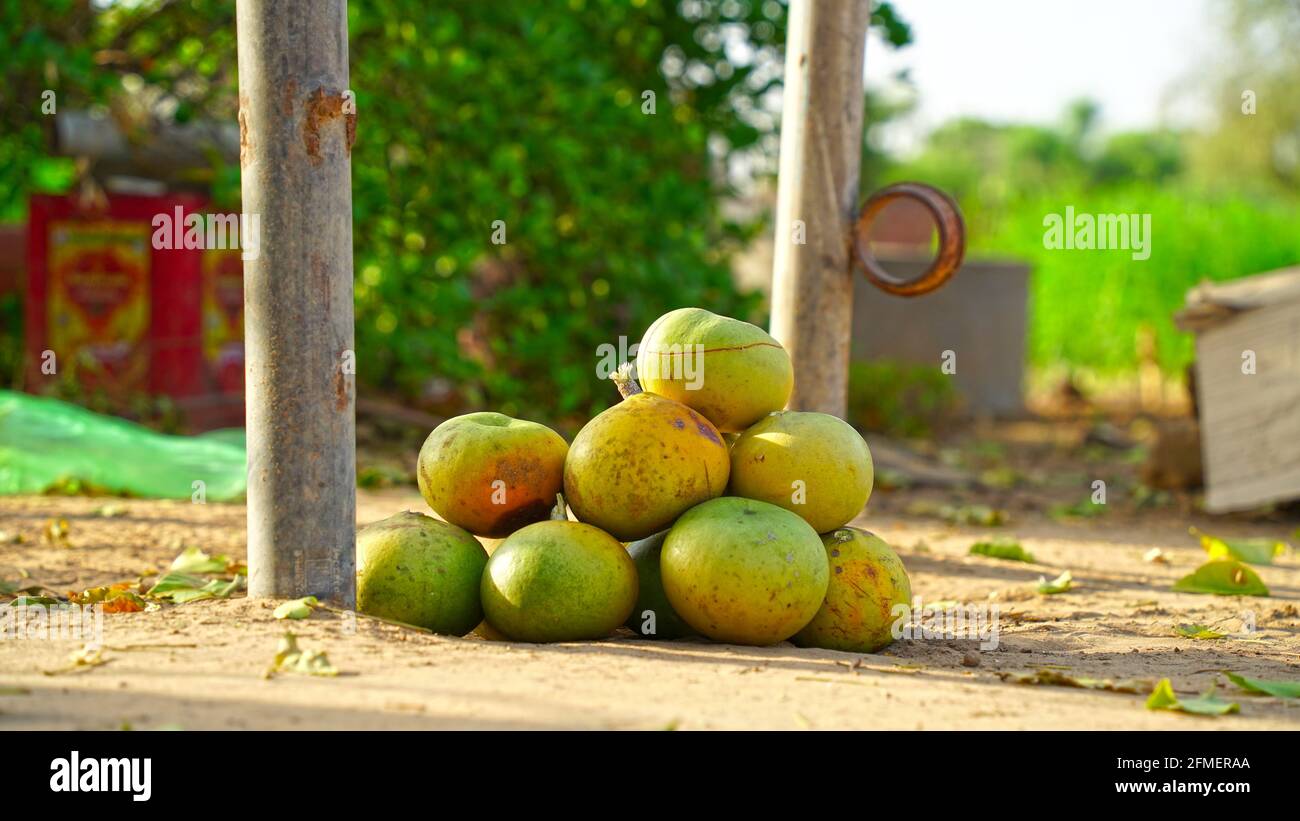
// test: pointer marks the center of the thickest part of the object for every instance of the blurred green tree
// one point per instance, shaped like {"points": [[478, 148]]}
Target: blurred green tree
{"points": [[1255, 142], [597, 133]]}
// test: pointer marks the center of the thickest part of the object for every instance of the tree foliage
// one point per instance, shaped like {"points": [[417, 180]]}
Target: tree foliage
{"points": [[597, 132]]}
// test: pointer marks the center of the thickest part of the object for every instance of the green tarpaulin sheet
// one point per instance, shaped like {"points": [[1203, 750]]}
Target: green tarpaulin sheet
{"points": [[46, 443]]}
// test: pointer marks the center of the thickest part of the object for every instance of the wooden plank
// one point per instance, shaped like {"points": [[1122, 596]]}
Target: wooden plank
{"points": [[1210, 303], [1250, 423]]}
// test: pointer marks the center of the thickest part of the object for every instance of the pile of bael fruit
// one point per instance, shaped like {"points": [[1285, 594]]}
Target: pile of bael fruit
{"points": [[657, 546]]}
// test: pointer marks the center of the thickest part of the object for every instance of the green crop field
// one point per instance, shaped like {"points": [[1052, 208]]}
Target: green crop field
{"points": [[1087, 306]]}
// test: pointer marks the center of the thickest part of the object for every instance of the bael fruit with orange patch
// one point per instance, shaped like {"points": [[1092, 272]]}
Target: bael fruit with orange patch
{"points": [[868, 581], [491, 474]]}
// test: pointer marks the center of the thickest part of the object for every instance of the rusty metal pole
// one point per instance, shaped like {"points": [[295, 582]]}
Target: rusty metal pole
{"points": [[817, 197], [297, 124]]}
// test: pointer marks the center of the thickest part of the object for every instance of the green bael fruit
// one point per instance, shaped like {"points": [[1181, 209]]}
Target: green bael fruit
{"points": [[636, 467], [743, 571], [491, 474], [813, 464], [558, 581], [868, 581], [732, 372], [653, 617], [416, 569]]}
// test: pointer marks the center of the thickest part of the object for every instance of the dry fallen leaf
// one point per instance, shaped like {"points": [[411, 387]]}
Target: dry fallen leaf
{"points": [[56, 531], [1045, 675], [90, 655], [116, 598]]}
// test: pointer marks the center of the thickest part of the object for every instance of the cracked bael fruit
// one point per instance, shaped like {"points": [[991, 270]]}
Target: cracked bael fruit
{"points": [[868, 581], [732, 372], [491, 474], [416, 569], [743, 571], [653, 617], [558, 581], [813, 464], [637, 466]]}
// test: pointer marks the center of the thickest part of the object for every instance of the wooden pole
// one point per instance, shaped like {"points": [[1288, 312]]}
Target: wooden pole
{"points": [[297, 124], [817, 197]]}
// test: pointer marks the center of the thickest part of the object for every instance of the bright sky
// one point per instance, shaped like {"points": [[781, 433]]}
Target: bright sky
{"points": [[1024, 60]]}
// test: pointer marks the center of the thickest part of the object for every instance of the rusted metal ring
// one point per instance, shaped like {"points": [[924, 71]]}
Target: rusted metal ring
{"points": [[948, 221]]}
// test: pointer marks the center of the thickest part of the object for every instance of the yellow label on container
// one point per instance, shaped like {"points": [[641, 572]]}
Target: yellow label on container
{"points": [[98, 301]]}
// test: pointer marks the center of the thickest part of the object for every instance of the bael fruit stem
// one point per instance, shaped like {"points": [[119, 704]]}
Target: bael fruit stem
{"points": [[625, 381], [559, 513]]}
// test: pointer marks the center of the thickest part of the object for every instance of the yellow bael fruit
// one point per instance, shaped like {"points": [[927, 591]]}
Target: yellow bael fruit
{"points": [[812, 464], [742, 571], [868, 581], [637, 466], [730, 371]]}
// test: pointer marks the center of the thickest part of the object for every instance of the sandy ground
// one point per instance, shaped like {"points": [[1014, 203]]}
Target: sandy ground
{"points": [[201, 665]]}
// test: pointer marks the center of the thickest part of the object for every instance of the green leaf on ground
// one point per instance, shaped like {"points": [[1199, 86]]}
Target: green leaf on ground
{"points": [[1196, 631], [1225, 577], [1002, 549], [980, 515], [289, 658], [1163, 697], [1000, 477], [171, 583], [180, 588], [1083, 509], [888, 479], [296, 609], [1144, 496], [215, 589], [1251, 551], [1060, 584], [1280, 689], [34, 601], [194, 560]]}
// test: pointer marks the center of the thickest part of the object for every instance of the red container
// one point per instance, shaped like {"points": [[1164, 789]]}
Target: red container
{"points": [[116, 314]]}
